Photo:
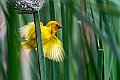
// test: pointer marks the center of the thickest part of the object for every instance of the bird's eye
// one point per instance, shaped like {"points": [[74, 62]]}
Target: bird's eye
{"points": [[56, 24]]}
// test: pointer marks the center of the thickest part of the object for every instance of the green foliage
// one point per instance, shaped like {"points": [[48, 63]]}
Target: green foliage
{"points": [[90, 38]]}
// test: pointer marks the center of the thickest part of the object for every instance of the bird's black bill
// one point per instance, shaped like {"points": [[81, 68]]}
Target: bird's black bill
{"points": [[60, 27]]}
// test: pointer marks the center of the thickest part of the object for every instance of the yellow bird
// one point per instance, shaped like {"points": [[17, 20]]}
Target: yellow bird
{"points": [[52, 46]]}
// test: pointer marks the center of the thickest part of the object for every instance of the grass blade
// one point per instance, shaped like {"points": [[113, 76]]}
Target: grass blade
{"points": [[39, 46]]}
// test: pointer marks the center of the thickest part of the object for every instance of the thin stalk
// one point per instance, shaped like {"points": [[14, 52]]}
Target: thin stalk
{"points": [[13, 45], [91, 64], [114, 69], [101, 43], [35, 74], [100, 23], [39, 46], [55, 71], [100, 62], [106, 62], [52, 10], [82, 35], [64, 25], [66, 41], [52, 17], [69, 27], [92, 14], [45, 17]]}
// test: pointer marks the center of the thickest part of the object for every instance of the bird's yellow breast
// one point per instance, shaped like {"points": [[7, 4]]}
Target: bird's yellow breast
{"points": [[45, 34]]}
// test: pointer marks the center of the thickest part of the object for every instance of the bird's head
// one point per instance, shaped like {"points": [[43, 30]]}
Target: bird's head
{"points": [[54, 26]]}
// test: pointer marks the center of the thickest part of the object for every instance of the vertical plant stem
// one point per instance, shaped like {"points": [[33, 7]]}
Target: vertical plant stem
{"points": [[65, 41], [39, 46], [52, 17], [45, 17], [13, 45], [114, 68], [52, 10], [100, 42], [106, 62], [63, 24], [55, 70], [92, 14], [82, 35], [100, 62]]}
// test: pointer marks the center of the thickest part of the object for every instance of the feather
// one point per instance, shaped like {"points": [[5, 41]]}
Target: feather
{"points": [[53, 49], [52, 46], [27, 30]]}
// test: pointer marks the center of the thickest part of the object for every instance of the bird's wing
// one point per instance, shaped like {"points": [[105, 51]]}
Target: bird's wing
{"points": [[27, 30], [29, 44], [53, 49]]}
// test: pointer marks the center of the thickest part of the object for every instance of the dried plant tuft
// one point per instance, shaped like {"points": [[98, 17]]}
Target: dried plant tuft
{"points": [[26, 6]]}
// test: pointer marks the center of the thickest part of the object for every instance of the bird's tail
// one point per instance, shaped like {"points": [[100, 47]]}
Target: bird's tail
{"points": [[26, 47]]}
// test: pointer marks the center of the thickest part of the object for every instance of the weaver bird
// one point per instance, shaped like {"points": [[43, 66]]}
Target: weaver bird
{"points": [[52, 46]]}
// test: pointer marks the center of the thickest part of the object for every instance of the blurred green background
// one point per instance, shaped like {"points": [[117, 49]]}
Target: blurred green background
{"points": [[90, 37]]}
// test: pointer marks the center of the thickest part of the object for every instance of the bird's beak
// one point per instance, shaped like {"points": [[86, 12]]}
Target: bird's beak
{"points": [[60, 27]]}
